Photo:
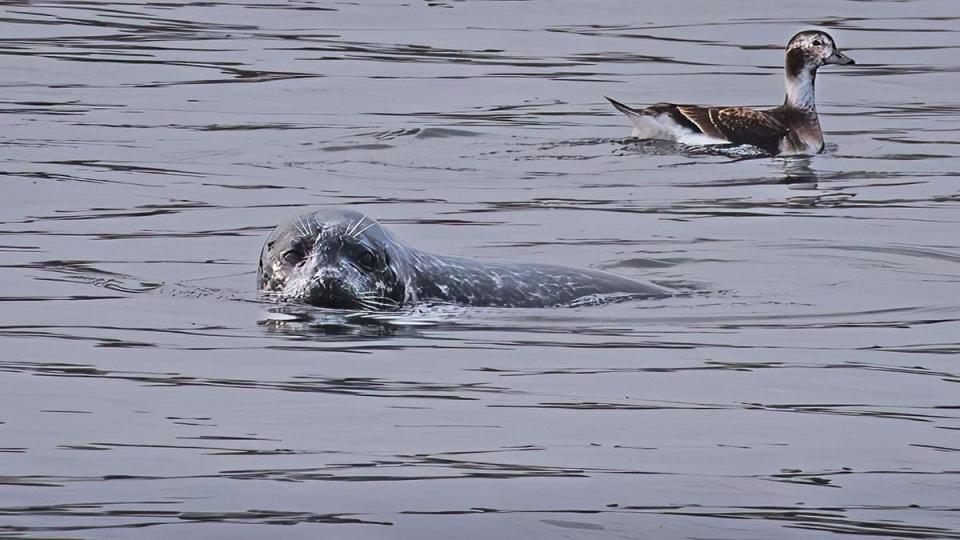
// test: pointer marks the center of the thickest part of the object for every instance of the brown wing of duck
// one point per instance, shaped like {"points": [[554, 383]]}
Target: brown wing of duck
{"points": [[701, 118], [747, 126]]}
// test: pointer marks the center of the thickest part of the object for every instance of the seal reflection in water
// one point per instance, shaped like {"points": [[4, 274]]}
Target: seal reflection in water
{"points": [[343, 259]]}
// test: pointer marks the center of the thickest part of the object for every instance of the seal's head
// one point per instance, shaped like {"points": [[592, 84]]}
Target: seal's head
{"points": [[334, 259], [810, 49]]}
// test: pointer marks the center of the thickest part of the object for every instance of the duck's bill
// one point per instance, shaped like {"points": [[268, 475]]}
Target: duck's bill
{"points": [[840, 58]]}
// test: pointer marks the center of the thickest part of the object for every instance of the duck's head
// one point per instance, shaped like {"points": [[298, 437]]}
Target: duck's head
{"points": [[810, 49]]}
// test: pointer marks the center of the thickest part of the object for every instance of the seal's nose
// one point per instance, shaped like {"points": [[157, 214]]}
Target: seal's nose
{"points": [[327, 289]]}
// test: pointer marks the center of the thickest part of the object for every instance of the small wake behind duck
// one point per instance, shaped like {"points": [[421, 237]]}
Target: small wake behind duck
{"points": [[665, 147]]}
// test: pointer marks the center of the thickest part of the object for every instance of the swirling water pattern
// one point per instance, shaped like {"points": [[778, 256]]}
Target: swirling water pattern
{"points": [[805, 382]]}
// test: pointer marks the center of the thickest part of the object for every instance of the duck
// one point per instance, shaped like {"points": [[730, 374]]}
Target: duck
{"points": [[790, 129]]}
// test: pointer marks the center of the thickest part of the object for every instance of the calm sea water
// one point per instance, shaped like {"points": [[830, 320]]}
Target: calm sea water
{"points": [[804, 385]]}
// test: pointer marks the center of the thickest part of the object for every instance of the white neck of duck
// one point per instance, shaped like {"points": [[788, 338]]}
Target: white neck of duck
{"points": [[800, 90]]}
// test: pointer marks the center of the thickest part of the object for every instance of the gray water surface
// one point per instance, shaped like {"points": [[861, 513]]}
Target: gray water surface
{"points": [[804, 384]]}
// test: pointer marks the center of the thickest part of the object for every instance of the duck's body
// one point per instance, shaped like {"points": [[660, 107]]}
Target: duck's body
{"points": [[792, 128]]}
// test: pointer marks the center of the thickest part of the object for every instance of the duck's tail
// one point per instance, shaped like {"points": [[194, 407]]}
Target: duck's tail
{"points": [[627, 110], [645, 122]]}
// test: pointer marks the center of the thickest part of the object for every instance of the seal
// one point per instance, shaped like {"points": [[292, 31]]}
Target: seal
{"points": [[343, 259]]}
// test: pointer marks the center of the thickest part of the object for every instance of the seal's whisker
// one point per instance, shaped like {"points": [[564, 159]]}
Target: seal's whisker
{"points": [[358, 233], [377, 299], [368, 306], [353, 227], [373, 294], [302, 226]]}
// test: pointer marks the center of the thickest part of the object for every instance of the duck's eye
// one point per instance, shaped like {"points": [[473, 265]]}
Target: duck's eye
{"points": [[293, 256], [368, 260], [817, 42]]}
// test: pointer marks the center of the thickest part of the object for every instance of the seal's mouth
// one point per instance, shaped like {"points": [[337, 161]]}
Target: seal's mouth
{"points": [[332, 303], [335, 294], [330, 292]]}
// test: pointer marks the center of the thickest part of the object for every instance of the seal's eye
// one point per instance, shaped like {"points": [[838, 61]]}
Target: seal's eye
{"points": [[368, 260], [817, 42], [293, 256]]}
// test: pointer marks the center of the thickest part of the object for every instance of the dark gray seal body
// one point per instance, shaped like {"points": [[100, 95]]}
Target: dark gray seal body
{"points": [[343, 259]]}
